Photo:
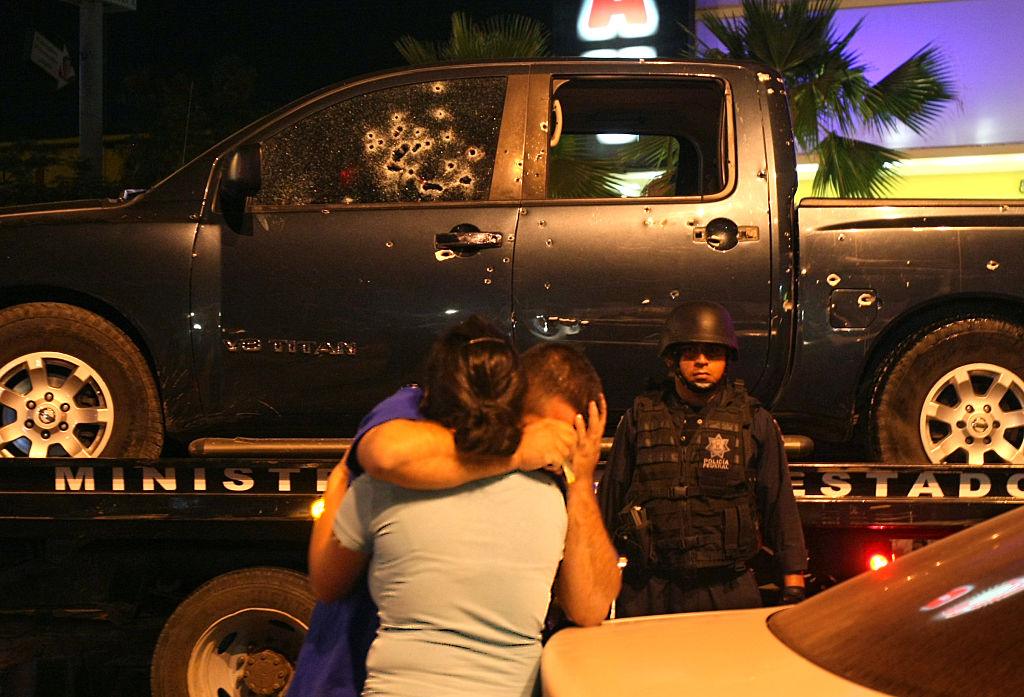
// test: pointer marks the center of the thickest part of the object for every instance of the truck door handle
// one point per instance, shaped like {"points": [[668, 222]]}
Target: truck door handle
{"points": [[722, 234], [466, 239]]}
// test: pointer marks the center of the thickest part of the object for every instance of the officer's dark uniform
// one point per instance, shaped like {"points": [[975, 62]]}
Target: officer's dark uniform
{"points": [[692, 490]]}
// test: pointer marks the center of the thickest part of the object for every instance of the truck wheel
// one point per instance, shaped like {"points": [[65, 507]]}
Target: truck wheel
{"points": [[238, 634], [73, 385], [956, 396]]}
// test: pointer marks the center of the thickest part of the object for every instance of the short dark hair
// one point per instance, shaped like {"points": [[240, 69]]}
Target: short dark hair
{"points": [[473, 384], [559, 370]]}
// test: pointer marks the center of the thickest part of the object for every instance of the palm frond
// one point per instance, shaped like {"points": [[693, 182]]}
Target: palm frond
{"points": [[830, 96], [913, 94], [575, 172], [508, 36], [854, 168], [416, 51]]}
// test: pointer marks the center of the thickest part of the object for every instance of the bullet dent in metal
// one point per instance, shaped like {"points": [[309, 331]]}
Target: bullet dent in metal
{"points": [[487, 281], [992, 265], [645, 301], [866, 299], [490, 269], [444, 255], [549, 242], [674, 294], [842, 237], [547, 285], [542, 223], [833, 279], [389, 244]]}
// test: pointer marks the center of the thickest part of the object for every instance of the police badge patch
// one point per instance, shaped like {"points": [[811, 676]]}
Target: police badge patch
{"points": [[717, 447]]}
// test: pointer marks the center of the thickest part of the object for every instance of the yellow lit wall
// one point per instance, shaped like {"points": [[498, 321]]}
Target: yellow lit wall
{"points": [[966, 173]]}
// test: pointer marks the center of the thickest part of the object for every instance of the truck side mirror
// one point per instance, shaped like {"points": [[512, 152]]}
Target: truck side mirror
{"points": [[240, 179]]}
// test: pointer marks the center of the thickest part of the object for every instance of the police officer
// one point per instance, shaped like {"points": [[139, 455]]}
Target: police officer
{"points": [[697, 481]]}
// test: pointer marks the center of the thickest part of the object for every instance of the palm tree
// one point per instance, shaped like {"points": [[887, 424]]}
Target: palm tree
{"points": [[511, 36], [830, 97]]}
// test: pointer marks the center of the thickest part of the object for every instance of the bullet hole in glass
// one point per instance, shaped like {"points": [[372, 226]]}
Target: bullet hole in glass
{"points": [[420, 142]]}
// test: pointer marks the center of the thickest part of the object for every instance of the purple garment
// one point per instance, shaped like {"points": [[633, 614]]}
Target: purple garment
{"points": [[332, 661]]}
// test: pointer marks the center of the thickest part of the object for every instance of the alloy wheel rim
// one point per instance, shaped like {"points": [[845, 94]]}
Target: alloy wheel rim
{"points": [[53, 405], [974, 414]]}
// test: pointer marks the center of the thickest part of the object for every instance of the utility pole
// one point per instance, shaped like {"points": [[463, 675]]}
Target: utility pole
{"points": [[90, 78], [90, 86]]}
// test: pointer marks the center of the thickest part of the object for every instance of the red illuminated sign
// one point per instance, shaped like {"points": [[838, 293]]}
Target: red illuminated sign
{"points": [[601, 20]]}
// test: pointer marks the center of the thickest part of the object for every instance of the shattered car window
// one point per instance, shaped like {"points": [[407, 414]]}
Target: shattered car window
{"points": [[432, 141]]}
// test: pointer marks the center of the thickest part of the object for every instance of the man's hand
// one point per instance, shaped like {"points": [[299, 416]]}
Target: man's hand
{"points": [[588, 579], [545, 442], [589, 433]]}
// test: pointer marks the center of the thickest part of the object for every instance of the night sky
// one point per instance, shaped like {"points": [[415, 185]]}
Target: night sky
{"points": [[294, 47]]}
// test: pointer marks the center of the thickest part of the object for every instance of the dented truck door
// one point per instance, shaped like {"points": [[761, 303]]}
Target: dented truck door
{"points": [[643, 189], [387, 211]]}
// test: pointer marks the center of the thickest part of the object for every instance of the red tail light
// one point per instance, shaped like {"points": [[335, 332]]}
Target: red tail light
{"points": [[878, 561]]}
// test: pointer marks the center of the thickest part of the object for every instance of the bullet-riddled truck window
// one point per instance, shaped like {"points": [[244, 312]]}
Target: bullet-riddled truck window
{"points": [[430, 141], [638, 138]]}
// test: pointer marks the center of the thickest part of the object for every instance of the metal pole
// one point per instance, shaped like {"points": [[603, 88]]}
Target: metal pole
{"points": [[90, 86]]}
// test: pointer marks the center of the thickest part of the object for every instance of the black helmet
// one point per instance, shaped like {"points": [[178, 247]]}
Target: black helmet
{"points": [[698, 322]]}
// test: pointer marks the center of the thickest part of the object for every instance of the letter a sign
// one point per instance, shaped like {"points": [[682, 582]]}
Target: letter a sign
{"points": [[601, 20]]}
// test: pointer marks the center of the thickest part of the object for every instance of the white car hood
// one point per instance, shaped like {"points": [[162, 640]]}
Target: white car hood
{"points": [[706, 653]]}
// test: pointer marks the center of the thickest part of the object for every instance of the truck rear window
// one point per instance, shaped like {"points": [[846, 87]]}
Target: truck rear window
{"points": [[638, 138]]}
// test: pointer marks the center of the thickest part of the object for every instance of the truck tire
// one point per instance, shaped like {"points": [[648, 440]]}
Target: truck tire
{"points": [[73, 385], [956, 396], [238, 634]]}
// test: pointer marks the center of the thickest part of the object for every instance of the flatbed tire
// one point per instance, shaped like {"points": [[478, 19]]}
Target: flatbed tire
{"points": [[256, 616]]}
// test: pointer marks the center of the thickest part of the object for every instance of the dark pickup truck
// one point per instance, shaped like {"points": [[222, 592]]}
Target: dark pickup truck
{"points": [[287, 279]]}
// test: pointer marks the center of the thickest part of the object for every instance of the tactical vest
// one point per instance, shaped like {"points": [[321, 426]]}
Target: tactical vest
{"points": [[698, 498]]}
